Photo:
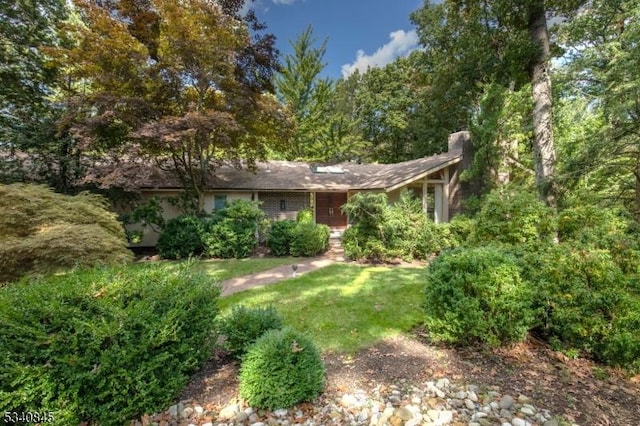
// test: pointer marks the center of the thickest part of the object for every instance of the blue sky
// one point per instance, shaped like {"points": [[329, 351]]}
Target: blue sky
{"points": [[360, 33]]}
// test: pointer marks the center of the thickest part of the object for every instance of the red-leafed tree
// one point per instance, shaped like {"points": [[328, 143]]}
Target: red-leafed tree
{"points": [[184, 85]]}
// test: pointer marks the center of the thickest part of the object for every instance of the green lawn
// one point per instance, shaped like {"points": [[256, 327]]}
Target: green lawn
{"points": [[225, 269], [344, 308]]}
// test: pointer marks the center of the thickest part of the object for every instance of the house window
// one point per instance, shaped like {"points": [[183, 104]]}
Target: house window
{"points": [[219, 202], [283, 205]]}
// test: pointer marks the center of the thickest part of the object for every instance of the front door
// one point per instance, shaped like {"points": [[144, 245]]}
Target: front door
{"points": [[328, 209]]}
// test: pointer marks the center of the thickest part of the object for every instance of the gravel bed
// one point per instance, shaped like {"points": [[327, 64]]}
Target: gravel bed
{"points": [[432, 403]]}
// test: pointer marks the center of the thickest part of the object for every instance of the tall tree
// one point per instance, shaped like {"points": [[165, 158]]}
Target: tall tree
{"points": [[502, 42], [602, 58], [184, 104], [306, 94]]}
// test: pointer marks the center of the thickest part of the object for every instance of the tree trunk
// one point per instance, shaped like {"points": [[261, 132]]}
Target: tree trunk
{"points": [[543, 144]]}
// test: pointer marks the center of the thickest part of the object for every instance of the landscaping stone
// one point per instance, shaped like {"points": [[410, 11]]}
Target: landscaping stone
{"points": [[433, 403]]}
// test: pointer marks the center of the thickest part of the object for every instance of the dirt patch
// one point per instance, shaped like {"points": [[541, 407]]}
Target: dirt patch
{"points": [[566, 387]]}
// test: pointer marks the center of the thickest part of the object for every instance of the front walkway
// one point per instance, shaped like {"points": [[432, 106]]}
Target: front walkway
{"points": [[285, 272]]}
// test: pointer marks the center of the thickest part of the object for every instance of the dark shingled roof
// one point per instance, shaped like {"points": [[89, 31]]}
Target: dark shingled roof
{"points": [[299, 176]]}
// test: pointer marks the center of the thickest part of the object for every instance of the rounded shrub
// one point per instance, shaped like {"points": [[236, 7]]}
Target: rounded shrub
{"points": [[477, 295], [280, 236], [181, 238], [243, 326], [309, 239], [230, 239], [280, 370], [513, 216]]}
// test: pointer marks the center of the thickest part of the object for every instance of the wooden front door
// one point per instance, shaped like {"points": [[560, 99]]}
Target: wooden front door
{"points": [[328, 209]]}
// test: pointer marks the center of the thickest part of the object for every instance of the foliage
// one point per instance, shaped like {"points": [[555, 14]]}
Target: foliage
{"points": [[243, 326], [44, 232], [586, 301], [181, 238], [103, 345], [234, 232], [461, 227], [309, 239], [281, 369], [381, 232], [513, 216], [305, 215], [280, 237], [160, 96], [230, 239], [477, 295]]}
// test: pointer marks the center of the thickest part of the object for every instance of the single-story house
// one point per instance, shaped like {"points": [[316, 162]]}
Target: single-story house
{"points": [[286, 187]]}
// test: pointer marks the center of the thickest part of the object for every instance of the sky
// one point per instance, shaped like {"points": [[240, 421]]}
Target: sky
{"points": [[360, 33]]}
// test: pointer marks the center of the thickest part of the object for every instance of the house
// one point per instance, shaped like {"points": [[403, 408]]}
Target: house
{"points": [[286, 187]]}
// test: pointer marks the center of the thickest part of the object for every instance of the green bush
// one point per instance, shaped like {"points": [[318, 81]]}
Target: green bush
{"points": [[43, 232], [461, 227], [104, 345], [383, 233], [477, 295], [513, 216], [586, 301], [230, 239], [603, 228], [234, 231], [280, 236], [309, 239], [181, 238], [281, 369], [243, 326], [305, 216]]}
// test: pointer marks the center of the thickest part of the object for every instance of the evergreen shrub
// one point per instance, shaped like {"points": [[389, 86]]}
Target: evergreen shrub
{"points": [[281, 369], [43, 232], [181, 238], [280, 236], [587, 304], [305, 216], [243, 326], [309, 239], [234, 232], [477, 295], [104, 346], [513, 216]]}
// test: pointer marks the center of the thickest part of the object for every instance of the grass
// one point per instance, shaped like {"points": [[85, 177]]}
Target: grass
{"points": [[344, 308], [225, 269]]}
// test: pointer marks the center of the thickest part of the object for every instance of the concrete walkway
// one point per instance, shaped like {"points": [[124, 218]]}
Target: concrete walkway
{"points": [[285, 272]]}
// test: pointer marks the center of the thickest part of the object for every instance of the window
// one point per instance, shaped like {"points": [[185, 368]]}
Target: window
{"points": [[219, 202]]}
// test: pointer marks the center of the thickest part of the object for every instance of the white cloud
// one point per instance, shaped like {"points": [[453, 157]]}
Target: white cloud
{"points": [[401, 43], [284, 1]]}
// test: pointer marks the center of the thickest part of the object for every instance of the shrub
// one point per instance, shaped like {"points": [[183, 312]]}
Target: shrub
{"points": [[243, 326], [44, 232], [477, 295], [513, 216], [181, 238], [305, 216], [382, 232], [234, 232], [309, 239], [103, 345], [602, 228], [230, 239], [281, 369], [461, 227], [280, 236], [585, 300]]}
